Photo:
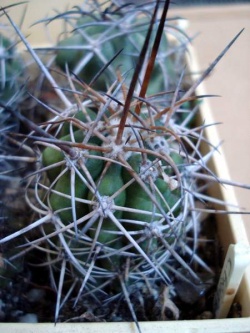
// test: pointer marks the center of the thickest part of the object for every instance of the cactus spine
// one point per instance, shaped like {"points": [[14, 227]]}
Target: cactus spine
{"points": [[118, 168]]}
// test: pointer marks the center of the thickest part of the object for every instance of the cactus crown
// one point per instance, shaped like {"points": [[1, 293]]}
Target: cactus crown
{"points": [[118, 178]]}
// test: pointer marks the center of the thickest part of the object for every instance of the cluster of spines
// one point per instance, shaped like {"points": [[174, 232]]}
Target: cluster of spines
{"points": [[116, 192]]}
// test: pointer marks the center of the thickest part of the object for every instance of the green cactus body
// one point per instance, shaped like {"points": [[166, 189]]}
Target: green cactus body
{"points": [[63, 186], [69, 56], [107, 38], [134, 162], [79, 115], [52, 156], [11, 67], [178, 159], [138, 199], [171, 196], [59, 202], [108, 186], [85, 25]]}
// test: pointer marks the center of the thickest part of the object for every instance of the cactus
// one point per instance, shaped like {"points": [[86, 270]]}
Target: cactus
{"points": [[12, 82], [97, 37], [119, 171], [12, 163], [10, 69]]}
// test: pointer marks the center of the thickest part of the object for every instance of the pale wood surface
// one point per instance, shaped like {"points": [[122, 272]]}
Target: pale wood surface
{"points": [[239, 325]]}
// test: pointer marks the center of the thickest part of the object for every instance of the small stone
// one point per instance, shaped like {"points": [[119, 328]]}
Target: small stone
{"points": [[29, 318], [2, 306], [35, 295], [15, 299], [205, 315], [2, 315], [16, 314]]}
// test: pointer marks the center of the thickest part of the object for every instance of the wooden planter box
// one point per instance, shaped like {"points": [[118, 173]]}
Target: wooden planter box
{"points": [[230, 227]]}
